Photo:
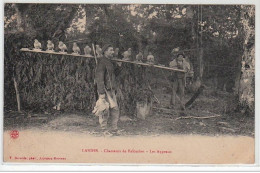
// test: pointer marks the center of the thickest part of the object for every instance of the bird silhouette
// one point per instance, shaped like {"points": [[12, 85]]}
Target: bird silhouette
{"points": [[75, 48], [87, 51], [50, 45], [37, 44], [150, 58], [116, 52], [98, 51], [62, 46], [127, 54], [139, 57]]}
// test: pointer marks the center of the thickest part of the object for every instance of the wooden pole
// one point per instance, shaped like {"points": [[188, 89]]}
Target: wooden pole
{"points": [[201, 64], [118, 60], [94, 50], [17, 96]]}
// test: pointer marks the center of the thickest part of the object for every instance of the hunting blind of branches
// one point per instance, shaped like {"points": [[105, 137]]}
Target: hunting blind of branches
{"points": [[222, 38]]}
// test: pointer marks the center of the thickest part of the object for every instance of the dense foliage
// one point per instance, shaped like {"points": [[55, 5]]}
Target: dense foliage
{"points": [[220, 30]]}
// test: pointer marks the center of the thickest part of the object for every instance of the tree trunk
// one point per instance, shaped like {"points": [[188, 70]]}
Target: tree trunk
{"points": [[200, 62], [22, 20], [246, 83], [19, 18]]}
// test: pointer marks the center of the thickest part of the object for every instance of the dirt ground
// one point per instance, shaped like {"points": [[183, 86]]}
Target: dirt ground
{"points": [[163, 120]]}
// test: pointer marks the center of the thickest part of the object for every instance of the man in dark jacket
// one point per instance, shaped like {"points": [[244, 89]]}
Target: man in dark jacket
{"points": [[106, 86]]}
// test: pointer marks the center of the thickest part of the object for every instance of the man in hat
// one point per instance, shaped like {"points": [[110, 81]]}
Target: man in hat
{"points": [[178, 79], [106, 105]]}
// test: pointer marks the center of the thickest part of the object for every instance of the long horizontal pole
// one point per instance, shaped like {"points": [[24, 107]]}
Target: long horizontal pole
{"points": [[118, 60], [77, 41], [149, 65]]}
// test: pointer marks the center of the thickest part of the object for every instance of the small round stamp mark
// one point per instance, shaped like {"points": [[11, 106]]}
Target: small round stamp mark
{"points": [[14, 134]]}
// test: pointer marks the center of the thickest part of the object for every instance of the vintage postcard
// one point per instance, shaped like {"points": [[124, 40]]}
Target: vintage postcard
{"points": [[113, 83]]}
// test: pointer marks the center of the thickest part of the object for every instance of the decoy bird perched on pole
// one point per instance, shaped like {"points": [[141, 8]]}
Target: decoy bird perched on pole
{"points": [[75, 48], [50, 46], [87, 51], [116, 52], [127, 54], [139, 57], [174, 52], [98, 51], [150, 58], [37, 44], [62, 47]]}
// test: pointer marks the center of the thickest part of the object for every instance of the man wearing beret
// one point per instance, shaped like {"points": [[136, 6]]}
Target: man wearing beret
{"points": [[106, 105], [179, 78]]}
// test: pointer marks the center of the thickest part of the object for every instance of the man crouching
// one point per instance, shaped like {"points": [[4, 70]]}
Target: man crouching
{"points": [[106, 106]]}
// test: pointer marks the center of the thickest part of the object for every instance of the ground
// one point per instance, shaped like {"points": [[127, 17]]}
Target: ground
{"points": [[207, 133], [210, 114]]}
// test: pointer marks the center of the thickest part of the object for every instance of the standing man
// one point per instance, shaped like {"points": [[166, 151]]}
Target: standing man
{"points": [[106, 105], [178, 79]]}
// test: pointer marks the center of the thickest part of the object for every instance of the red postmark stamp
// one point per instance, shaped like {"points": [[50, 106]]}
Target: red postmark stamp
{"points": [[14, 134]]}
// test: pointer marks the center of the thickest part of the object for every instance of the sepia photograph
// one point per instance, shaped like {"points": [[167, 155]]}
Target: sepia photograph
{"points": [[129, 83]]}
